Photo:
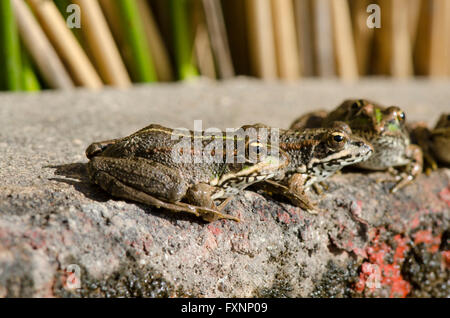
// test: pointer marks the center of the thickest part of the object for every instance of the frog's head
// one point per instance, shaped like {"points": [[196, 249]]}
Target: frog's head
{"points": [[358, 113], [338, 148], [371, 117], [390, 120]]}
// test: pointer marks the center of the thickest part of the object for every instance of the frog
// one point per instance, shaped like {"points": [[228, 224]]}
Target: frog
{"points": [[384, 127], [435, 143], [315, 155], [146, 167]]}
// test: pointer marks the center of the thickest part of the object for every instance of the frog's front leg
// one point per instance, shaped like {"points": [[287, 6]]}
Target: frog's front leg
{"points": [[144, 181], [293, 193]]}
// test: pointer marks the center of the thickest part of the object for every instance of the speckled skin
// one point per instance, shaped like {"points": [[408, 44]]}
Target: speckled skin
{"points": [[315, 154], [383, 127]]}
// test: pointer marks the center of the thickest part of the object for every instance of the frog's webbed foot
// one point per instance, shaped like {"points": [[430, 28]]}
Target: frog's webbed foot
{"points": [[401, 179], [207, 214], [320, 187], [296, 197], [412, 170], [409, 173]]}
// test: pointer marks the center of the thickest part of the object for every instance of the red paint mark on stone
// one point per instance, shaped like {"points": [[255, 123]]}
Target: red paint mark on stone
{"points": [[426, 237], [445, 195], [402, 248], [284, 217], [446, 258], [360, 252], [210, 241], [415, 222], [37, 239], [214, 229], [262, 216], [377, 273]]}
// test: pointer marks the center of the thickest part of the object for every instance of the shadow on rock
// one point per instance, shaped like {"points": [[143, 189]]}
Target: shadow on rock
{"points": [[78, 178]]}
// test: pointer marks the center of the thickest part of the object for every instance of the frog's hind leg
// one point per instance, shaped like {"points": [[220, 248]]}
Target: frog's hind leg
{"points": [[298, 198], [147, 182], [121, 190]]}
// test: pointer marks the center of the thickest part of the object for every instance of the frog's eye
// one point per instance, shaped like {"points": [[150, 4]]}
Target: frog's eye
{"points": [[355, 106], [337, 140], [448, 117], [401, 116], [358, 104], [255, 150]]}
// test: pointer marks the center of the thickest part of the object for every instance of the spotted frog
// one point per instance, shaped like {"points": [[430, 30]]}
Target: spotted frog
{"points": [[315, 154]]}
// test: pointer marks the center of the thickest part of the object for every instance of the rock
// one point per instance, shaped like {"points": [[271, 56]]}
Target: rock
{"points": [[61, 236]]}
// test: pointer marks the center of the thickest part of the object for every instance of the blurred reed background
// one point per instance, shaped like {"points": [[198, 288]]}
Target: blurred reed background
{"points": [[121, 42]]}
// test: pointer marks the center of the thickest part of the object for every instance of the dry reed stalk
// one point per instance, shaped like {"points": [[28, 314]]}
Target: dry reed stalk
{"points": [[304, 27], [343, 40], [40, 49], [401, 56], [65, 44], [157, 47], [203, 52], [262, 46], [323, 38], [101, 42], [439, 39], [218, 37], [286, 39], [363, 35]]}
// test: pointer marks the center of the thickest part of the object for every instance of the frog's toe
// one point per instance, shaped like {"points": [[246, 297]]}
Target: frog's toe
{"points": [[402, 182], [210, 215], [304, 203], [313, 210], [431, 164]]}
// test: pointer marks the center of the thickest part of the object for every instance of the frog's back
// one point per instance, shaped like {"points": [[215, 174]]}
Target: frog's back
{"points": [[172, 148]]}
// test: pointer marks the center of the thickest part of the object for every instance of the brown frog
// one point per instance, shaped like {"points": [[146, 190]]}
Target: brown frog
{"points": [[435, 143], [153, 166]]}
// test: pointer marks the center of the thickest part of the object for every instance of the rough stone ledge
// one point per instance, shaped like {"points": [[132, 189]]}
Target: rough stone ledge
{"points": [[364, 243]]}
